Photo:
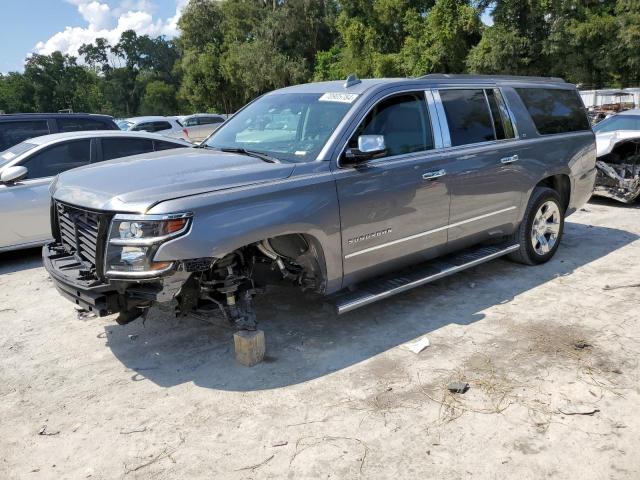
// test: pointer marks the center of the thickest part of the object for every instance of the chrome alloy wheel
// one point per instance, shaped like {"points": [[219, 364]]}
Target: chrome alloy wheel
{"points": [[545, 228]]}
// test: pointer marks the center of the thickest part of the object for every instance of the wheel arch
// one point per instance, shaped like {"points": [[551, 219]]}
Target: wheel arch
{"points": [[561, 183]]}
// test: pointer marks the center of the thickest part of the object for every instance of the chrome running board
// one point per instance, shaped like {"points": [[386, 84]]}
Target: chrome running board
{"points": [[383, 287]]}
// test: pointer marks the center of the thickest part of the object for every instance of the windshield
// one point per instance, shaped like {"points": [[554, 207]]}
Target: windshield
{"points": [[124, 124], [12, 152], [289, 126], [618, 122]]}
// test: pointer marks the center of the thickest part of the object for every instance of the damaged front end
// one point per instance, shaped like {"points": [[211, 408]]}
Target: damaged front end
{"points": [[105, 264], [618, 167]]}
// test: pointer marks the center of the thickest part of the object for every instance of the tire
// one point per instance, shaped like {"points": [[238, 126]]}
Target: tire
{"points": [[541, 229]]}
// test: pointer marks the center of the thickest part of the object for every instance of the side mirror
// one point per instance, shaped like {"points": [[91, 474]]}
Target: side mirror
{"points": [[13, 174], [369, 146]]}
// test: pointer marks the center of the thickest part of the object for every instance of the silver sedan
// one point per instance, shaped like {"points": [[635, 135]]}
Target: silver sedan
{"points": [[26, 170]]}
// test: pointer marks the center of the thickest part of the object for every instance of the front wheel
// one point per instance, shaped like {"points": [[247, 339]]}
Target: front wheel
{"points": [[541, 229]]}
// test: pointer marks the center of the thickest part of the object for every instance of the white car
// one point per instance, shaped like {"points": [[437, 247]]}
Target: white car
{"points": [[168, 126], [197, 127], [26, 170], [618, 152]]}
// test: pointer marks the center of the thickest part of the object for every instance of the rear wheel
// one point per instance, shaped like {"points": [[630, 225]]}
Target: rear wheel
{"points": [[541, 229]]}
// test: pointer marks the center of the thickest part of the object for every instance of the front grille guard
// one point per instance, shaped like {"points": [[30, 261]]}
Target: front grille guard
{"points": [[82, 233]]}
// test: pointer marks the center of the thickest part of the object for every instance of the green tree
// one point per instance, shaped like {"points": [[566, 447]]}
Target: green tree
{"points": [[159, 99], [16, 93]]}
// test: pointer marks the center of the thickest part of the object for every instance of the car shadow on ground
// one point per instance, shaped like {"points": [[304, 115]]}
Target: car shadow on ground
{"points": [[305, 341], [18, 260]]}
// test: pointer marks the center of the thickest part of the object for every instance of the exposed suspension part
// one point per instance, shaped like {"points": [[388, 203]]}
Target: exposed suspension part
{"points": [[227, 286]]}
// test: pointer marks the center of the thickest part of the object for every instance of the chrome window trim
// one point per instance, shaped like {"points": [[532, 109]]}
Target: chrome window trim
{"points": [[493, 120], [428, 232], [500, 96], [434, 119], [442, 118]]}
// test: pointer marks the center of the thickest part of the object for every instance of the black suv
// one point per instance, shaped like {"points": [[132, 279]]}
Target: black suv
{"points": [[17, 127]]}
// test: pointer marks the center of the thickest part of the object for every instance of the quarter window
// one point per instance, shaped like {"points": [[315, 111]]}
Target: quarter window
{"points": [[404, 122], [160, 145], [152, 127], [468, 116], [59, 158], [209, 120], [123, 147], [555, 110]]}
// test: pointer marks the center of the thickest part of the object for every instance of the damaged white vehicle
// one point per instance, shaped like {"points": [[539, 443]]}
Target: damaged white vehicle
{"points": [[618, 150]]}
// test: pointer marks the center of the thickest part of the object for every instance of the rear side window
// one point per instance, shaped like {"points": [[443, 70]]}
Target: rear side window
{"points": [[404, 122], [77, 124], [59, 158], [123, 147], [160, 145], [555, 110], [191, 122], [159, 126], [468, 116], [209, 120], [152, 127], [12, 133]]}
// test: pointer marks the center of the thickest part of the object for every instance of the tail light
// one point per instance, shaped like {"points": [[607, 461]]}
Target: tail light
{"points": [[185, 131]]}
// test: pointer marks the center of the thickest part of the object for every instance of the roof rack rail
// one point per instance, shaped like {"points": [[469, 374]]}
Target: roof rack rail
{"points": [[450, 76]]}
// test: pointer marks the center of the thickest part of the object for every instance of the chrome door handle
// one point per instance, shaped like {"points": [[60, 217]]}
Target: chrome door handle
{"points": [[436, 174], [511, 159]]}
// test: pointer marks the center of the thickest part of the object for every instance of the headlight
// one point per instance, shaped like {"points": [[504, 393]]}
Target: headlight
{"points": [[135, 239]]}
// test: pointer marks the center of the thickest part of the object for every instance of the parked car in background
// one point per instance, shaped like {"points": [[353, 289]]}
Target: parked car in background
{"points": [[26, 170], [162, 125], [17, 127], [618, 146], [197, 127], [343, 188]]}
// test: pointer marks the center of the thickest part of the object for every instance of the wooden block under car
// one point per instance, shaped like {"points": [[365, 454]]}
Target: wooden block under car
{"points": [[249, 346]]}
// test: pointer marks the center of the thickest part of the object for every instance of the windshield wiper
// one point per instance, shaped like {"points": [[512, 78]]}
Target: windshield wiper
{"points": [[252, 153]]}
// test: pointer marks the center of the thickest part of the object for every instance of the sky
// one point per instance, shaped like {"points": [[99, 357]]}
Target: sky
{"points": [[43, 26]]}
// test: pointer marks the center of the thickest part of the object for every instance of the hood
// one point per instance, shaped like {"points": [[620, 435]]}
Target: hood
{"points": [[606, 141], [133, 184]]}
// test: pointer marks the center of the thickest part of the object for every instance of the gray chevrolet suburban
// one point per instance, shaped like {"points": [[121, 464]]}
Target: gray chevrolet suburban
{"points": [[358, 190]]}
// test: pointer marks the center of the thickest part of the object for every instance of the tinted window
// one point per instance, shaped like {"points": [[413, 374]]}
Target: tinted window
{"points": [[190, 122], [58, 158], [209, 120], [123, 147], [618, 122], [158, 126], [152, 126], [555, 110], [143, 127], [468, 116], [404, 122], [76, 124], [159, 145], [12, 133]]}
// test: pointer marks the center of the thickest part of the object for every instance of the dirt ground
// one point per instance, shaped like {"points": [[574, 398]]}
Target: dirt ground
{"points": [[550, 353]]}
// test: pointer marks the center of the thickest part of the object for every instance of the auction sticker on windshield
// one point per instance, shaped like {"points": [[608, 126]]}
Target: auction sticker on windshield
{"points": [[338, 97]]}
